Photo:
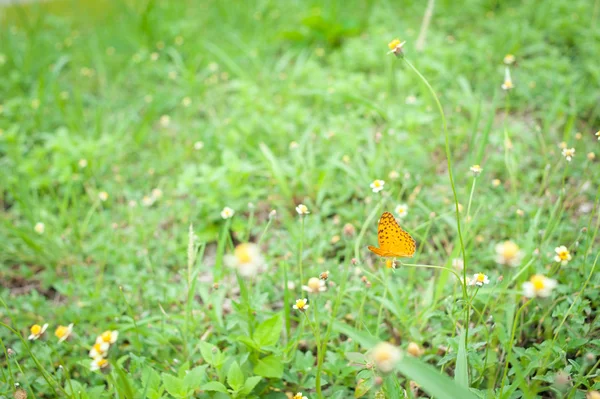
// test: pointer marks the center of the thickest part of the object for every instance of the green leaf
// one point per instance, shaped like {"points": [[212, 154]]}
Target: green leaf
{"points": [[214, 386], [461, 373], [431, 380], [174, 385], [250, 384], [270, 366], [365, 339], [193, 379], [268, 332], [209, 352], [249, 342], [235, 376]]}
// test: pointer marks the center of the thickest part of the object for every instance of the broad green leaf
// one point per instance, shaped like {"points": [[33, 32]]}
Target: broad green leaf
{"points": [[461, 373], [248, 342], [268, 332], [362, 387], [209, 352], [174, 385], [270, 366], [250, 384], [214, 386], [431, 380], [194, 377], [235, 376]]}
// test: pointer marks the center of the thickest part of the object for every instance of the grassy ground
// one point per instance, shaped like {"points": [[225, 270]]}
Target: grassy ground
{"points": [[123, 123]]}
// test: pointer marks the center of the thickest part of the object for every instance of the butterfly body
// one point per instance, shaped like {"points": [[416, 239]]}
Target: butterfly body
{"points": [[393, 241]]}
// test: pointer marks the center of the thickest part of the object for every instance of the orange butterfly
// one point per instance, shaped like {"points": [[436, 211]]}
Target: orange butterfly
{"points": [[393, 241]]}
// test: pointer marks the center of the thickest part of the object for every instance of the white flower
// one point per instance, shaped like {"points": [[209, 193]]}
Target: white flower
{"points": [[568, 153], [385, 356], [401, 210], [509, 59], [302, 209], [299, 396], [301, 304], [508, 84], [147, 200], [39, 228], [98, 363], [227, 213], [314, 286], [100, 349], [83, 163], [538, 285], [165, 120], [62, 332], [109, 337], [37, 331], [508, 253], [377, 185], [563, 256], [246, 258], [186, 101], [157, 193], [479, 279], [476, 169], [198, 145], [103, 195], [598, 134]]}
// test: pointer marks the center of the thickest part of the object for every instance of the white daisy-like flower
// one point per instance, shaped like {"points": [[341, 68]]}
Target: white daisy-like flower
{"points": [[377, 185], [100, 349], [401, 210], [63, 332], [509, 59], [598, 135], [302, 209], [480, 279], [563, 256], [186, 101], [98, 364], [314, 286], [39, 228], [165, 120], [395, 47], [568, 153], [301, 304], [147, 200], [198, 145], [508, 253], [299, 396], [385, 356], [227, 213], [103, 195], [109, 337], [539, 286], [508, 84], [83, 163], [37, 331], [476, 169], [246, 258]]}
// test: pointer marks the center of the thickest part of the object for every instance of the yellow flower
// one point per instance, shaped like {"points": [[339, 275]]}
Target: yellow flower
{"points": [[538, 285], [299, 396], [476, 169], [62, 332], [39, 228], [377, 185], [508, 84], [563, 256], [390, 264], [227, 213], [100, 349], [301, 304], [591, 156], [37, 331], [99, 363], [302, 209], [110, 337], [508, 253], [314, 286], [568, 153], [479, 279], [395, 47], [509, 59], [385, 356], [496, 182], [401, 210], [246, 258], [592, 395], [598, 134], [414, 349]]}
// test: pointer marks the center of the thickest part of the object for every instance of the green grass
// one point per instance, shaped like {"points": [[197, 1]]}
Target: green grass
{"points": [[296, 102]]}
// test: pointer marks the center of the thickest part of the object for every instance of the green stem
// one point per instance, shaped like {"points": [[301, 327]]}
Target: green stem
{"points": [[380, 313], [510, 344], [471, 199], [301, 249], [451, 178]]}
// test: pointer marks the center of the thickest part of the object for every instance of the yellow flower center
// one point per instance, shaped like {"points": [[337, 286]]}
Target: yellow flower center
{"points": [[390, 264], [242, 253], [394, 43], [106, 336], [314, 284], [377, 183], [98, 347], [300, 303], [481, 277], [61, 331], [563, 255], [508, 83], [510, 250], [36, 329], [538, 282], [102, 362]]}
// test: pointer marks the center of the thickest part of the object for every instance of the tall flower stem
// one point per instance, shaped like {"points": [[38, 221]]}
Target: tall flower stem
{"points": [[301, 249], [451, 177]]}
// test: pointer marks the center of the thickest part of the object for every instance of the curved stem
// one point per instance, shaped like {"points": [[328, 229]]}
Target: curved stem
{"points": [[451, 178]]}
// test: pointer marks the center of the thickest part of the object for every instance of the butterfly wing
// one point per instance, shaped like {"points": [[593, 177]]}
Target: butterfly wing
{"points": [[393, 240]]}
